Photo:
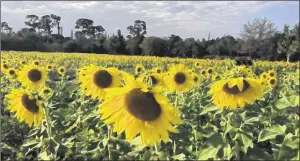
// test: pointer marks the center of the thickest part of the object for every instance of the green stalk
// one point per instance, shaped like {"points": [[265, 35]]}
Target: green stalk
{"points": [[109, 133], [49, 132]]}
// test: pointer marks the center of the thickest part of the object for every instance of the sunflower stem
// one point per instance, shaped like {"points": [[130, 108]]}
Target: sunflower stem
{"points": [[109, 131], [49, 132]]}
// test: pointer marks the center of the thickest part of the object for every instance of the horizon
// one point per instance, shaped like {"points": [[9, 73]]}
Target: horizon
{"points": [[163, 18]]}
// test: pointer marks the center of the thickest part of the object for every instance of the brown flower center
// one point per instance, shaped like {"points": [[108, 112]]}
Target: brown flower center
{"points": [[272, 74], [195, 79], [179, 78], [61, 70], [11, 72], [102, 79], [36, 63], [158, 71], [209, 71], [49, 67], [235, 90], [142, 105], [29, 104], [272, 81], [139, 69], [46, 91], [34, 75], [203, 72], [5, 66]]}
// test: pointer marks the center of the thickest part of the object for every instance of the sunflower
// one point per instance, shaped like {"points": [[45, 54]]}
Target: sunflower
{"points": [[263, 75], [4, 67], [134, 109], [11, 73], [95, 79], [49, 67], [272, 82], [196, 79], [179, 79], [139, 68], [272, 73], [61, 71], [154, 79], [236, 92], [209, 71], [203, 73], [197, 64], [27, 108], [216, 77], [33, 77], [45, 91], [156, 70], [23, 62], [36, 62]]}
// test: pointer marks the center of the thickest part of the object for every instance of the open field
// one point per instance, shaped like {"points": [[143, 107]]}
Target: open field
{"points": [[142, 108]]}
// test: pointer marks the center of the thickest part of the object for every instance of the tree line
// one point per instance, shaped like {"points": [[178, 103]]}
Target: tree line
{"points": [[259, 39]]}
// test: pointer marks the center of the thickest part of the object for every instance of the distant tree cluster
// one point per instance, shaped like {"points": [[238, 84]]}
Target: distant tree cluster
{"points": [[258, 39]]}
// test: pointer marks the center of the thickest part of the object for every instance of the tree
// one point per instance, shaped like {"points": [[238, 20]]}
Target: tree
{"points": [[138, 29], [289, 42], [87, 29], [33, 22], [154, 46], [254, 32], [175, 46], [5, 27], [56, 22], [46, 24]]}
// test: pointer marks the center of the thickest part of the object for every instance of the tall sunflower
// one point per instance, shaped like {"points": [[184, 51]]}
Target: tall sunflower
{"points": [[33, 77], [27, 108], [179, 79], [134, 109], [236, 92], [11, 73], [95, 79], [154, 79]]}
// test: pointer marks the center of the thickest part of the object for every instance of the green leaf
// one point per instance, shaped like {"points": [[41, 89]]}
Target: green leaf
{"points": [[291, 141], [271, 133], [208, 152], [247, 141], [147, 155], [297, 157], [251, 120], [30, 143], [215, 140], [257, 153], [179, 157], [294, 100], [74, 125], [44, 156], [210, 109], [283, 103], [228, 153], [284, 153]]}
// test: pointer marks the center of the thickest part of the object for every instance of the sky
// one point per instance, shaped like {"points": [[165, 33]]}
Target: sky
{"points": [[184, 18]]}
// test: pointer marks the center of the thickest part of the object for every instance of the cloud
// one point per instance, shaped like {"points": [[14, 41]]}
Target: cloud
{"points": [[163, 18]]}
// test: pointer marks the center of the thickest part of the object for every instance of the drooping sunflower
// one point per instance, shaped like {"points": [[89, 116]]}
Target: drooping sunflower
{"points": [[216, 77], [154, 79], [61, 71], [139, 68], [196, 79], [95, 79], [27, 108], [179, 79], [236, 92], [33, 77], [134, 109]]}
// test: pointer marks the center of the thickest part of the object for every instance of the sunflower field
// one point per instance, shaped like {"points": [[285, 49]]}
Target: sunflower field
{"points": [[59, 106]]}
